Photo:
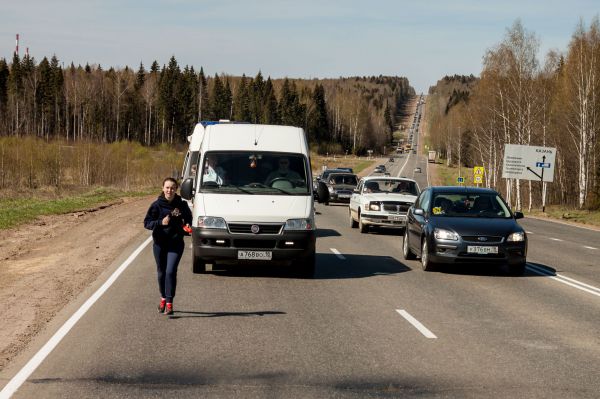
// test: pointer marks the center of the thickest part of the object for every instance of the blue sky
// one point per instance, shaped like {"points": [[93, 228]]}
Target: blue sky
{"points": [[422, 40]]}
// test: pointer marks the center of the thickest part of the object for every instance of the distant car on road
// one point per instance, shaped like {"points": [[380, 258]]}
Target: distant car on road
{"points": [[382, 201], [464, 225], [324, 176], [337, 187], [379, 169], [417, 170]]}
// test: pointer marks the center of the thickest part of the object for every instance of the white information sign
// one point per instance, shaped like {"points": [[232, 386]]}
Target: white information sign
{"points": [[528, 162]]}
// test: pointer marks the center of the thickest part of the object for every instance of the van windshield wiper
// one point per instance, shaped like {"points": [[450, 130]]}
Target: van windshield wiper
{"points": [[238, 187]]}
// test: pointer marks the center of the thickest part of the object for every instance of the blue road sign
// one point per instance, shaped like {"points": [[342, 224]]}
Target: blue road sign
{"points": [[460, 180], [542, 164]]}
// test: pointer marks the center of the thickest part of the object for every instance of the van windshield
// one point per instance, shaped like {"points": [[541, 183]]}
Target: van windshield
{"points": [[261, 173]]}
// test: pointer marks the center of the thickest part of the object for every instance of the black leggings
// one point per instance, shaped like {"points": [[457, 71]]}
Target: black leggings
{"points": [[167, 258]]}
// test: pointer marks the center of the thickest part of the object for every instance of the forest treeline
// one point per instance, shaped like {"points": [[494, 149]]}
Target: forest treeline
{"points": [[162, 104], [518, 100]]}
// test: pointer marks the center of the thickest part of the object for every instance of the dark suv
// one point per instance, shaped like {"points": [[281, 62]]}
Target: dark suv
{"points": [[337, 187]]}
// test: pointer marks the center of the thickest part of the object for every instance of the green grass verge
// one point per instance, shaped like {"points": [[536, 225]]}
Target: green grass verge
{"points": [[14, 212]]}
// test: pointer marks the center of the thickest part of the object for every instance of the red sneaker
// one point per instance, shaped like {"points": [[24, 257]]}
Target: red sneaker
{"points": [[161, 306], [169, 309]]}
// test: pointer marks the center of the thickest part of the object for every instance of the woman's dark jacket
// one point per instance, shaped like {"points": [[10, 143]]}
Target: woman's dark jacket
{"points": [[173, 232]]}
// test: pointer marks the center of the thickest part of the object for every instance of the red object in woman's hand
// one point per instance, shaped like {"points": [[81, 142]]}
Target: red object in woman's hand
{"points": [[187, 229]]}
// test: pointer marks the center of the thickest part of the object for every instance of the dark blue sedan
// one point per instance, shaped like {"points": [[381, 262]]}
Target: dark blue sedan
{"points": [[464, 225]]}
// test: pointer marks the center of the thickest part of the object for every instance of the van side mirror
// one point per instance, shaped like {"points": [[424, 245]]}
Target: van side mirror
{"points": [[519, 215], [187, 188], [419, 212]]}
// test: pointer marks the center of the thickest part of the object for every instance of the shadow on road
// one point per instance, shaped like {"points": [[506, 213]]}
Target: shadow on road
{"points": [[328, 267], [327, 233], [181, 314]]}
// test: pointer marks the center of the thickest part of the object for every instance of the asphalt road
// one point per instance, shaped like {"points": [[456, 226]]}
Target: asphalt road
{"points": [[351, 332]]}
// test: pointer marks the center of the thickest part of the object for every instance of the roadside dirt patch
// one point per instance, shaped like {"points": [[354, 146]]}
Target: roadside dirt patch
{"points": [[45, 264]]}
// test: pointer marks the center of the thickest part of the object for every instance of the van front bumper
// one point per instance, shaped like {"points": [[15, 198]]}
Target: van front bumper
{"points": [[213, 244]]}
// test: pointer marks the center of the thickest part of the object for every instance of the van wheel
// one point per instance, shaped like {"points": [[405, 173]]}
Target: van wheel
{"points": [[198, 265]]}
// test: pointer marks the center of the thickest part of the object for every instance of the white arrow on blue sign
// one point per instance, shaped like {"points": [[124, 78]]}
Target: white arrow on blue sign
{"points": [[542, 164]]}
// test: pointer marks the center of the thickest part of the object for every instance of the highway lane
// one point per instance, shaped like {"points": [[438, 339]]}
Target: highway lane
{"points": [[261, 332]]}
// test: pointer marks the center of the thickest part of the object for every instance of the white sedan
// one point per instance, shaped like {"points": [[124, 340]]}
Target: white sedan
{"points": [[382, 201]]}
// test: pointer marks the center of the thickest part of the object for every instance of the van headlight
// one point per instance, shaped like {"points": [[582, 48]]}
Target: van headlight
{"points": [[374, 206], [211, 222], [330, 189], [299, 224], [518, 236], [442, 234]]}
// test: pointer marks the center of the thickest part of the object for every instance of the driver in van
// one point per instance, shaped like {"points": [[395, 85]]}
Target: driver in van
{"points": [[283, 172], [213, 172]]}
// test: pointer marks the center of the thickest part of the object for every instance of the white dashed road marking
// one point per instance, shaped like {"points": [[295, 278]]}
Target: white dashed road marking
{"points": [[585, 246], [555, 239], [565, 280], [337, 253], [416, 323]]}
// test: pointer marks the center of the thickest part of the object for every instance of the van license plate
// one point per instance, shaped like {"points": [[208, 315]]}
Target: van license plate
{"points": [[255, 255], [482, 250]]}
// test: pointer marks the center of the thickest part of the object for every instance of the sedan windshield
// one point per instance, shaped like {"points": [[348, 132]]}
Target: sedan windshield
{"points": [[259, 173], [343, 179], [391, 186], [469, 205]]}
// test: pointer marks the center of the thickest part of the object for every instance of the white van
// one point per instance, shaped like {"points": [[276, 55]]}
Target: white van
{"points": [[252, 197]]}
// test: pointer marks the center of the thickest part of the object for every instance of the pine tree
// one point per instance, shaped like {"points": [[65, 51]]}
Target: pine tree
{"points": [[4, 74], [140, 77], [320, 127], [242, 101], [270, 115], [257, 96], [204, 106]]}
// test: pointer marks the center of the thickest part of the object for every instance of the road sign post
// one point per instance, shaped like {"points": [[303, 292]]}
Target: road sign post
{"points": [[520, 161], [478, 172]]}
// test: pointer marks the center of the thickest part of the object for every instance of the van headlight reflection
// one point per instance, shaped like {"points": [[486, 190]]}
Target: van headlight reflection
{"points": [[211, 222], [299, 224]]}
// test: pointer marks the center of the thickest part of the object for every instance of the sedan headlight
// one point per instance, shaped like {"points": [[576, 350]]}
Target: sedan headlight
{"points": [[299, 224], [442, 234], [518, 236], [374, 206], [211, 222]]}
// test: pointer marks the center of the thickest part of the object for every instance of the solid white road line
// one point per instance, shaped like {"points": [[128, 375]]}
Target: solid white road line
{"points": [[585, 246], [566, 280], [416, 323], [337, 253], [405, 162], [39, 357]]}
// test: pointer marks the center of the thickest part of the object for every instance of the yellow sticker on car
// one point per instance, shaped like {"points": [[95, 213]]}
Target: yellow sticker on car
{"points": [[437, 210]]}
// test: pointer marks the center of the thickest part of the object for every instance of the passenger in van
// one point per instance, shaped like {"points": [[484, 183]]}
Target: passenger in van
{"points": [[283, 172], [212, 171]]}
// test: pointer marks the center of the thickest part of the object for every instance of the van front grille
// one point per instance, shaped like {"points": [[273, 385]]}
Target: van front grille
{"points": [[246, 228]]}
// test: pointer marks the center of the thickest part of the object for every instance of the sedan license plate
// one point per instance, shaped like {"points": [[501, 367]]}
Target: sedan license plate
{"points": [[343, 195], [481, 250], [255, 255], [396, 218]]}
